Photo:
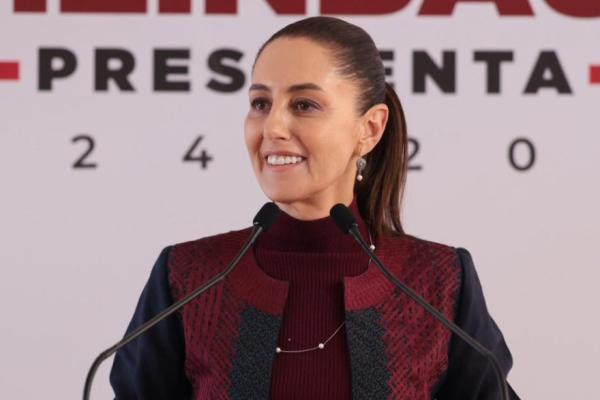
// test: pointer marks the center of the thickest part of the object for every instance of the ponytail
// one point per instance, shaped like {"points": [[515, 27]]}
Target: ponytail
{"points": [[379, 193]]}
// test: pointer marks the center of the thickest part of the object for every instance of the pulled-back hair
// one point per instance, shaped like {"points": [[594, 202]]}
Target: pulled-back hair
{"points": [[357, 58]]}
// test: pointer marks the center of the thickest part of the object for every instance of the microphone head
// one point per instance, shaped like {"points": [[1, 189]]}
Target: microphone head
{"points": [[343, 217], [266, 216]]}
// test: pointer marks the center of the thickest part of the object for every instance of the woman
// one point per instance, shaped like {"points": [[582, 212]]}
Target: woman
{"points": [[306, 316]]}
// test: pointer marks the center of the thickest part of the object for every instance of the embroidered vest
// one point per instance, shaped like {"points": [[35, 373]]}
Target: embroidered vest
{"points": [[397, 350]]}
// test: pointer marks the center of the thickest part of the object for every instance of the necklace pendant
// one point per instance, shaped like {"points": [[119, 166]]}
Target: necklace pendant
{"points": [[320, 346]]}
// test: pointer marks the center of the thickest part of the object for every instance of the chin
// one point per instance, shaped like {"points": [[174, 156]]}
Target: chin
{"points": [[285, 198], [285, 194]]}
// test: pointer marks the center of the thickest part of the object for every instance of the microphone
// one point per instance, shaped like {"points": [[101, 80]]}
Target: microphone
{"points": [[263, 220], [345, 221]]}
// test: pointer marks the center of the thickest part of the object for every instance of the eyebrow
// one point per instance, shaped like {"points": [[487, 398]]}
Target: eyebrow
{"points": [[293, 88]]}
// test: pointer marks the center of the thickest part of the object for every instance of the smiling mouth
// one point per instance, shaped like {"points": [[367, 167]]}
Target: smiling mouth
{"points": [[275, 160]]}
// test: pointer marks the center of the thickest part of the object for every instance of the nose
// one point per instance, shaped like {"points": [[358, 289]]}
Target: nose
{"points": [[275, 124]]}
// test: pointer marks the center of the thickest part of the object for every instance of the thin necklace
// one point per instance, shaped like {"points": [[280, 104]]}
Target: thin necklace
{"points": [[322, 344]]}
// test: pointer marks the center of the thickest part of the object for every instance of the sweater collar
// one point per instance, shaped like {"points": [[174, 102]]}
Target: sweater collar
{"points": [[254, 286], [289, 234]]}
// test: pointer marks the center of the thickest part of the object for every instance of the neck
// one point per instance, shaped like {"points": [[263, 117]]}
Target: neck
{"points": [[317, 235]]}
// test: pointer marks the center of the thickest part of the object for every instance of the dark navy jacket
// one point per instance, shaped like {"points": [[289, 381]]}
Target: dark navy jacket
{"points": [[222, 344]]}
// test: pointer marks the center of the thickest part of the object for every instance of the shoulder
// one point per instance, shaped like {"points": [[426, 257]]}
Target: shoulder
{"points": [[193, 261], [189, 251], [429, 267], [440, 265], [418, 251]]}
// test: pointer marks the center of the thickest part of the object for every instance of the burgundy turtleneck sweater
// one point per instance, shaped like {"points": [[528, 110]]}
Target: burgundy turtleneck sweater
{"points": [[313, 256]]}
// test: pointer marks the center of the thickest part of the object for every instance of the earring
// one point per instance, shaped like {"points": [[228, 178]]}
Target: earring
{"points": [[361, 163]]}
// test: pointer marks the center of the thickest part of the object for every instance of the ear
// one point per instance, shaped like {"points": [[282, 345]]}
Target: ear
{"points": [[373, 125]]}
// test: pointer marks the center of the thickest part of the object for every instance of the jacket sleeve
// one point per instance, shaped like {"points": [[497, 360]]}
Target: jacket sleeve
{"points": [[152, 366], [470, 376]]}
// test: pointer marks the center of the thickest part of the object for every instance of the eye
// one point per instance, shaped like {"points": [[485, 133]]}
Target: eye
{"points": [[259, 104], [304, 105]]}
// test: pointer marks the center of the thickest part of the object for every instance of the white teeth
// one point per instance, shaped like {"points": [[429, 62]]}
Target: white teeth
{"points": [[283, 160]]}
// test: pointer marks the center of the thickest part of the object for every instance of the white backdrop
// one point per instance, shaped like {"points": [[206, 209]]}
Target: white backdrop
{"points": [[77, 244]]}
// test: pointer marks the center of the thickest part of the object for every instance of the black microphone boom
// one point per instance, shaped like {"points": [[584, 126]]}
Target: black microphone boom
{"points": [[346, 222], [263, 220]]}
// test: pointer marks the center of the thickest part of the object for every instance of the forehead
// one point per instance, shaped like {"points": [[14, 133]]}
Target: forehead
{"points": [[288, 61]]}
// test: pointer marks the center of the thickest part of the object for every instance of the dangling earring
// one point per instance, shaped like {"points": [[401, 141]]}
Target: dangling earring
{"points": [[361, 163]]}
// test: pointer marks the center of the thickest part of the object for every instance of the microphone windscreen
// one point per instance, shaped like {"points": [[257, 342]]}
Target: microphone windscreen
{"points": [[266, 216], [343, 217]]}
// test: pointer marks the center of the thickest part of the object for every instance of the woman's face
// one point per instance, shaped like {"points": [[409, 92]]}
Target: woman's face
{"points": [[303, 131]]}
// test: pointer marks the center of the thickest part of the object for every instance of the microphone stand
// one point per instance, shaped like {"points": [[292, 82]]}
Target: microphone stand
{"points": [[436, 313], [345, 221], [140, 330]]}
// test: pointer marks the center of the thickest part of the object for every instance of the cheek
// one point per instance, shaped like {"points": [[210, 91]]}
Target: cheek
{"points": [[334, 146], [252, 136]]}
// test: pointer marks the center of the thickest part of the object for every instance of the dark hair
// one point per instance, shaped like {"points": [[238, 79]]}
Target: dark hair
{"points": [[379, 193]]}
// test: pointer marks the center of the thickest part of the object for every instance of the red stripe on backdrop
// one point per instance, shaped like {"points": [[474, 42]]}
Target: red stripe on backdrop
{"points": [[595, 74], [9, 70], [116, 6], [175, 6], [30, 6], [220, 7], [279, 6]]}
